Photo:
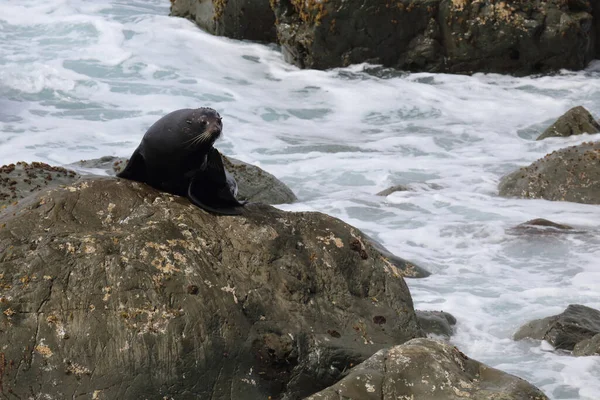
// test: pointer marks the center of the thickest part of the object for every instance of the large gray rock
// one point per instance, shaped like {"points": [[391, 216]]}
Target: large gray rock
{"points": [[237, 19], [565, 330], [111, 289], [437, 323], [519, 37], [457, 36], [254, 184], [427, 369], [588, 347], [21, 179], [576, 121], [569, 174]]}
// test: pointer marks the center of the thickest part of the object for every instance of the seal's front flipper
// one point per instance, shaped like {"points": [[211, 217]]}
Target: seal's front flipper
{"points": [[206, 195], [211, 190], [135, 169]]}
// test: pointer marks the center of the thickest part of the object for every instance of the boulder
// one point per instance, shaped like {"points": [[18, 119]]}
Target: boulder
{"points": [[237, 19], [437, 323], [254, 184], [569, 174], [517, 37], [588, 347], [427, 369], [457, 36], [541, 226], [406, 268], [111, 289], [576, 121], [564, 331], [21, 179]]}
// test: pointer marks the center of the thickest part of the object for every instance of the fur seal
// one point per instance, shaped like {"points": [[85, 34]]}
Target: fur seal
{"points": [[177, 156]]}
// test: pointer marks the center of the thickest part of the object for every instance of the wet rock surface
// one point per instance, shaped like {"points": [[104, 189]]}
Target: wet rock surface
{"points": [[569, 174], [438, 323], [237, 19], [406, 268], [576, 121], [588, 347], [109, 288], [427, 369], [457, 36], [566, 330], [541, 226], [21, 179]]}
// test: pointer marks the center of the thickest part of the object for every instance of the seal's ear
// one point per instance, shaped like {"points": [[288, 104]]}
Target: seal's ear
{"points": [[135, 169]]}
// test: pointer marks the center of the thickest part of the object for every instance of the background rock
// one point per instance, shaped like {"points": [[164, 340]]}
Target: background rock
{"points": [[254, 184], [427, 369], [436, 322], [576, 121], [21, 179], [405, 268], [565, 330], [570, 174], [237, 19], [588, 347], [454, 36], [114, 289]]}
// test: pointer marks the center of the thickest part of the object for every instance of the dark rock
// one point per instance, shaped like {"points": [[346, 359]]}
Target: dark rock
{"points": [[254, 184], [524, 37], [456, 36], [338, 33], [588, 347], [21, 179], [436, 322], [409, 188], [237, 19], [427, 369], [257, 185], [563, 331], [576, 121], [111, 287], [570, 174], [542, 226], [403, 267]]}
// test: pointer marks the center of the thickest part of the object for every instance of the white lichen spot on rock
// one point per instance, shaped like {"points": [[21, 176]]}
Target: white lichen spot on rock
{"points": [[370, 388], [249, 381], [331, 238], [43, 350], [106, 290], [230, 289], [9, 312], [47, 277], [390, 268], [78, 369], [208, 283], [96, 394]]}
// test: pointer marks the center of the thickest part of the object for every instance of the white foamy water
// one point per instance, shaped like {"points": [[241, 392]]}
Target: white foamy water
{"points": [[82, 79]]}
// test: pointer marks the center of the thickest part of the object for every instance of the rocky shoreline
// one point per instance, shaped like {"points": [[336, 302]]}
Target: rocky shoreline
{"points": [[454, 36]]}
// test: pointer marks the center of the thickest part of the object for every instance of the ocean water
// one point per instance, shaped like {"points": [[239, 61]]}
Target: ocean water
{"points": [[82, 79]]}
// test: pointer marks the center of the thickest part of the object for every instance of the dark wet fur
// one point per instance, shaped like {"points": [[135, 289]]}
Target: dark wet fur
{"points": [[177, 156]]}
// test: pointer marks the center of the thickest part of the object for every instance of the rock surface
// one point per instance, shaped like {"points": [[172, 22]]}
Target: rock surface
{"points": [[541, 226], [457, 36], [569, 174], [21, 179], [406, 268], [565, 330], [576, 121], [237, 19], [111, 289], [427, 369], [254, 184], [588, 347], [438, 323]]}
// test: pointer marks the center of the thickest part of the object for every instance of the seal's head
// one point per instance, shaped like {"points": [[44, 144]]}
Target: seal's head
{"points": [[205, 127]]}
